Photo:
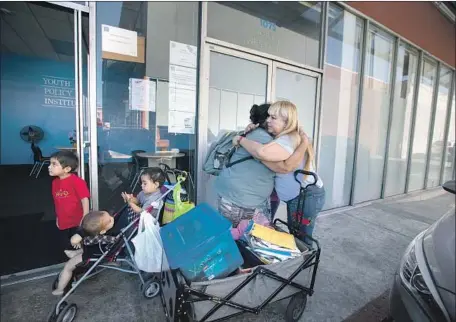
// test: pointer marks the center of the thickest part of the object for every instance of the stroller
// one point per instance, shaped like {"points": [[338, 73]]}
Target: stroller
{"points": [[117, 256]]}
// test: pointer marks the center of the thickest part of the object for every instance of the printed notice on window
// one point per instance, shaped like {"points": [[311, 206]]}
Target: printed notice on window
{"points": [[181, 99], [182, 88], [119, 41], [182, 54], [181, 122], [142, 95]]}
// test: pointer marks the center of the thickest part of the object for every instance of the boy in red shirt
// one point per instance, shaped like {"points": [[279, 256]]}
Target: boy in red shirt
{"points": [[70, 193]]}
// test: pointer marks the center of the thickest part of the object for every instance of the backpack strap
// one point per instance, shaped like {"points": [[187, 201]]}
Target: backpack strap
{"points": [[229, 165]]}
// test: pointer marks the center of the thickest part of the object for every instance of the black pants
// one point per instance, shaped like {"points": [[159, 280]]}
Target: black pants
{"points": [[65, 236]]}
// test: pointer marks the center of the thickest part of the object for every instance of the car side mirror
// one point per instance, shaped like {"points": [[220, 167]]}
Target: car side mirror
{"points": [[450, 186]]}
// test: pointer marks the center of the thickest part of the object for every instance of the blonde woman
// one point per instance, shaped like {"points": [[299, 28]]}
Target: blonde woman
{"points": [[244, 188], [282, 123]]}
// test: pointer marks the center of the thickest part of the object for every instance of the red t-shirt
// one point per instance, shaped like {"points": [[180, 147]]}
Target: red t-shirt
{"points": [[67, 194]]}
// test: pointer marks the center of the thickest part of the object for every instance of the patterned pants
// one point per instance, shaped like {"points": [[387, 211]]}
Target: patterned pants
{"points": [[313, 200], [235, 213]]}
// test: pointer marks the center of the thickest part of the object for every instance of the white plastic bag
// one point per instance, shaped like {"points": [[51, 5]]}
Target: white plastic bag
{"points": [[148, 244]]}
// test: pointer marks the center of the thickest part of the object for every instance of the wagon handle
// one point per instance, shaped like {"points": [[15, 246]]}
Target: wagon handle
{"points": [[308, 173]]}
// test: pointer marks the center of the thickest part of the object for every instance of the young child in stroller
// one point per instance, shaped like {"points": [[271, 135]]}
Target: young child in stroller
{"points": [[97, 229], [152, 181]]}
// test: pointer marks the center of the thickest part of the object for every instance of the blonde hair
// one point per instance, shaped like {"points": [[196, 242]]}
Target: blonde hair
{"points": [[310, 156], [288, 111]]}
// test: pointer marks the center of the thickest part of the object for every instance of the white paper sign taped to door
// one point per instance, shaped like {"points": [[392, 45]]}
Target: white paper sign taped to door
{"points": [[181, 122], [119, 41]]}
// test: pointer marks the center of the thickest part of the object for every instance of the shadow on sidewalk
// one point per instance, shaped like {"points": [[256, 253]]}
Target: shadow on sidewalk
{"points": [[376, 310]]}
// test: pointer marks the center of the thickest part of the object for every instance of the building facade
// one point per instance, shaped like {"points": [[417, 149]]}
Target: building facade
{"points": [[374, 83]]}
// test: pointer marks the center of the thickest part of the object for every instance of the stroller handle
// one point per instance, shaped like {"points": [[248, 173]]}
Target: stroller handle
{"points": [[308, 173]]}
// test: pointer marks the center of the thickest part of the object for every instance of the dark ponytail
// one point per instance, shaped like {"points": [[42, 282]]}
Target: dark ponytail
{"points": [[259, 114]]}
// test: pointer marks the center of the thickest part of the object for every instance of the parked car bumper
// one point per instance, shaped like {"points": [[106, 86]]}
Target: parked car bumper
{"points": [[404, 307]]}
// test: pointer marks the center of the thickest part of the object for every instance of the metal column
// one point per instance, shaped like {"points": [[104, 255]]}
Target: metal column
{"points": [[390, 116], [435, 94], [447, 127], [359, 108], [92, 93], [412, 126]]}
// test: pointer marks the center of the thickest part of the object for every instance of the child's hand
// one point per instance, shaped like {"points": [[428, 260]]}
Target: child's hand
{"points": [[76, 241], [124, 196]]}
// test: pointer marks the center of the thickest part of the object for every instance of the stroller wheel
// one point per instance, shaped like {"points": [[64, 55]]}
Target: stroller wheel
{"points": [[296, 307], [52, 316], [151, 288], [68, 313]]}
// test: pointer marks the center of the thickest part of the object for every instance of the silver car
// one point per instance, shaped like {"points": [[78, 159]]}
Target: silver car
{"points": [[424, 285]]}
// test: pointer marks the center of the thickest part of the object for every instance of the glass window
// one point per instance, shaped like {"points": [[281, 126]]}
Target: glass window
{"points": [[407, 67], [340, 100], [235, 84], [438, 146], [374, 116], [422, 124], [448, 171], [301, 89], [286, 29], [146, 94]]}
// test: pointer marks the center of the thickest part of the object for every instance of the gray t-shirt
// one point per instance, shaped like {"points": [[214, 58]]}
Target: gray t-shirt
{"points": [[286, 186], [247, 184], [146, 200]]}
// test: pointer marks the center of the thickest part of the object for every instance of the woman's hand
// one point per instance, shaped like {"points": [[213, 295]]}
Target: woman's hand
{"points": [[236, 140], [303, 134], [250, 127]]}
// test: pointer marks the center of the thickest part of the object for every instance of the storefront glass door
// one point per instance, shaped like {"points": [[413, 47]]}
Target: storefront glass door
{"points": [[233, 81], [42, 77], [236, 82]]}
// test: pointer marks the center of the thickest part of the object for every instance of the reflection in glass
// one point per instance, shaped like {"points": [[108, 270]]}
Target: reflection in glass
{"points": [[340, 100], [302, 91], [133, 94], [422, 123], [235, 84], [438, 146], [448, 171], [286, 29], [374, 116], [407, 66]]}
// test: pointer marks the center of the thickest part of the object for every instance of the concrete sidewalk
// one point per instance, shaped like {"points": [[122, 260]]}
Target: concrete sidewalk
{"points": [[361, 249]]}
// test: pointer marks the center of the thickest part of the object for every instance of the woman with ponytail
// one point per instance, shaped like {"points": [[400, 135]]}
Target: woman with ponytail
{"points": [[282, 123]]}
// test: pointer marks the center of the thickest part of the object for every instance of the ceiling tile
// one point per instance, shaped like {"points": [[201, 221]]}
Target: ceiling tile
{"points": [[49, 13], [11, 41], [29, 30], [14, 6], [57, 29]]}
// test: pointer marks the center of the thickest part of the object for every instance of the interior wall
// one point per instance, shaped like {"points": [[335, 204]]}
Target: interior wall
{"points": [[419, 22], [29, 98]]}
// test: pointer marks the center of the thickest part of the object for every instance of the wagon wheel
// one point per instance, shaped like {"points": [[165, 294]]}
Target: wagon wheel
{"points": [[296, 307]]}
